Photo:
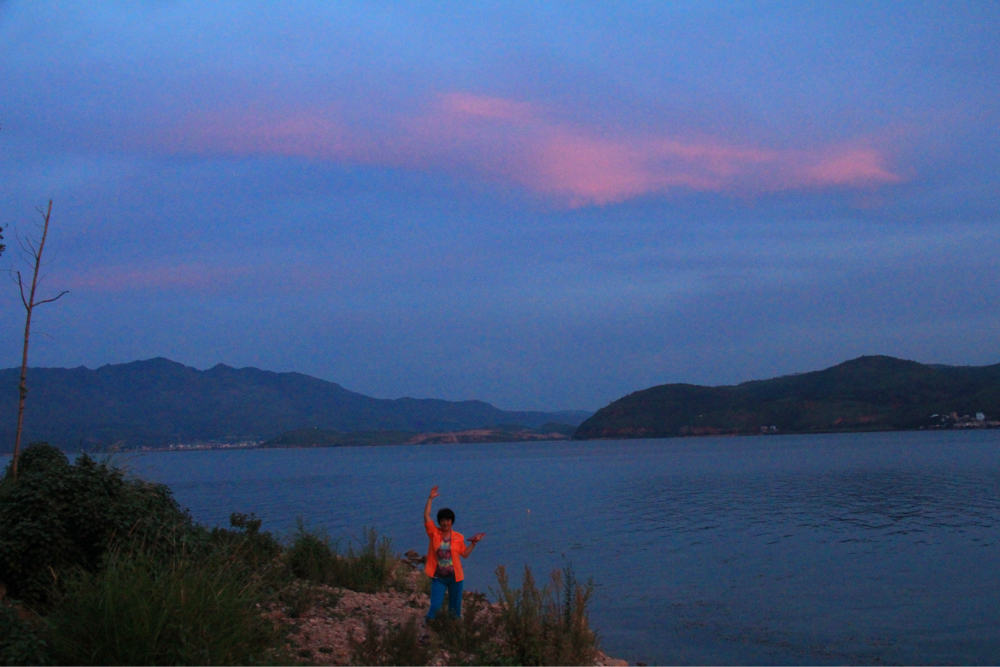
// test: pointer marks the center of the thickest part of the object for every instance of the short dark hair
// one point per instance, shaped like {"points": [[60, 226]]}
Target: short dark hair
{"points": [[445, 513]]}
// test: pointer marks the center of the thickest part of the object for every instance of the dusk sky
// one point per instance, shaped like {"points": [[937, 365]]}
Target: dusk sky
{"points": [[540, 205]]}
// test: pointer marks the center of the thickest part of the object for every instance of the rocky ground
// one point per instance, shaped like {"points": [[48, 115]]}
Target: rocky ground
{"points": [[319, 626]]}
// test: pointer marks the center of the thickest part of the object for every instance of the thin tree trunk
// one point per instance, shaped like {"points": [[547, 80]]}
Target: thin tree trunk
{"points": [[29, 305]]}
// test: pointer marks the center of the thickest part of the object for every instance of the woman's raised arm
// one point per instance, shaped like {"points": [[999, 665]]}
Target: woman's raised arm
{"points": [[427, 507]]}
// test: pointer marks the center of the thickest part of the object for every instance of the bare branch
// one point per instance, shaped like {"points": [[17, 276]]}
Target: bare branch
{"points": [[25, 244], [20, 286], [64, 292]]}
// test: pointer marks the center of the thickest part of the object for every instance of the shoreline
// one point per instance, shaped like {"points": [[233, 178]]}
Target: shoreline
{"points": [[252, 445]]}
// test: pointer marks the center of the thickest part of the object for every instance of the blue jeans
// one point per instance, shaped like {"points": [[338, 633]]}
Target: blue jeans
{"points": [[454, 588]]}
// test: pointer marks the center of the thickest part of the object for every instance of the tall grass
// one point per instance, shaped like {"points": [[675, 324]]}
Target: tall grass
{"points": [[370, 568], [473, 639], [548, 625], [141, 610], [528, 626], [394, 645]]}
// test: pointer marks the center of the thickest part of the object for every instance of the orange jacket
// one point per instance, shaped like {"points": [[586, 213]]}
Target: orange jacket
{"points": [[457, 549]]}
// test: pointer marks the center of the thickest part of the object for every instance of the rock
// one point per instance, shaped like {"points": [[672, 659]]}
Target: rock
{"points": [[604, 660]]}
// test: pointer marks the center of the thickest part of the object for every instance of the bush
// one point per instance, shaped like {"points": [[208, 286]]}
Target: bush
{"points": [[21, 641], [123, 575], [473, 638], [396, 645], [547, 626], [371, 569], [142, 610], [58, 516], [311, 555], [245, 548], [38, 457]]}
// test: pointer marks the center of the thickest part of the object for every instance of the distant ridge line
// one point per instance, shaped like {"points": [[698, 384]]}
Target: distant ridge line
{"points": [[158, 402], [870, 393]]}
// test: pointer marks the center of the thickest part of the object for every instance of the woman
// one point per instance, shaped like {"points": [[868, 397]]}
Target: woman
{"points": [[443, 565]]}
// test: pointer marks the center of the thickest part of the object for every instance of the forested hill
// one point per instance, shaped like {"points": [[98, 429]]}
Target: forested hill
{"points": [[159, 402], [865, 394]]}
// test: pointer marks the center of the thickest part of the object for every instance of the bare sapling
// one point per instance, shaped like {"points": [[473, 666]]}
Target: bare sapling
{"points": [[35, 253]]}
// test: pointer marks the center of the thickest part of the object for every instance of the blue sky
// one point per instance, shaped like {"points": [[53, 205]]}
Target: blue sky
{"points": [[544, 206]]}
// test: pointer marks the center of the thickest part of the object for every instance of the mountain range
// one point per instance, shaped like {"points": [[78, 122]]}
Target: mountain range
{"points": [[865, 394], [158, 402]]}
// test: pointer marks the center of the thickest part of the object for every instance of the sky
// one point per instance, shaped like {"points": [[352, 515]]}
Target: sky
{"points": [[541, 205]]}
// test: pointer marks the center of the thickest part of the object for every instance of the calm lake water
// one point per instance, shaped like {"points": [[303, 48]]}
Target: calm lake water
{"points": [[830, 549]]}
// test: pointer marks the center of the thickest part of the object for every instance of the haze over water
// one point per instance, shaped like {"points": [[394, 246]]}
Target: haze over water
{"points": [[829, 549]]}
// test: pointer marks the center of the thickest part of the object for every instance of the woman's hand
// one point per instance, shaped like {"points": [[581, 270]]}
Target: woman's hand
{"points": [[473, 541], [434, 493]]}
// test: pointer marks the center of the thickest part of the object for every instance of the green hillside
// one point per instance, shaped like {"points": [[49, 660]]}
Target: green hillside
{"points": [[865, 394]]}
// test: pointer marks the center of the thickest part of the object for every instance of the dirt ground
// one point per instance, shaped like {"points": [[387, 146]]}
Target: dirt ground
{"points": [[319, 633]]}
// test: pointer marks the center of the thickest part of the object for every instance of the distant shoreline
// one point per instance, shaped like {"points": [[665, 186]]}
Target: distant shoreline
{"points": [[317, 438], [262, 444], [988, 426]]}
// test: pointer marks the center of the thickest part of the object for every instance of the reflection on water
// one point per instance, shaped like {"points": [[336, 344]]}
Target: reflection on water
{"points": [[856, 505], [868, 548]]}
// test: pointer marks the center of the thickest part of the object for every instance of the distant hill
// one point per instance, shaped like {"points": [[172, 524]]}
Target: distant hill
{"points": [[865, 394], [159, 402]]}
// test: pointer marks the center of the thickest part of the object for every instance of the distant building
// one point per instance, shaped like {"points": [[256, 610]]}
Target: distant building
{"points": [[980, 417]]}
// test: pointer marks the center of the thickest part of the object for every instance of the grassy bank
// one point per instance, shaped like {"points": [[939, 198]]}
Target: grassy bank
{"points": [[98, 567]]}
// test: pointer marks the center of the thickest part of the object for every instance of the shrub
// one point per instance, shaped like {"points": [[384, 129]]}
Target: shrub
{"points": [[473, 638], [246, 548], [370, 569], [311, 556], [547, 626], [58, 516], [123, 574], [396, 645], [39, 457], [21, 641], [143, 610]]}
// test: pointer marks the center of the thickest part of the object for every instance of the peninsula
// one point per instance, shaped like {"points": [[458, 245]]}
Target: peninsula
{"points": [[873, 393]]}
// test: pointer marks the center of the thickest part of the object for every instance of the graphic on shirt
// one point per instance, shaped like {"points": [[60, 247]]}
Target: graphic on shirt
{"points": [[445, 568]]}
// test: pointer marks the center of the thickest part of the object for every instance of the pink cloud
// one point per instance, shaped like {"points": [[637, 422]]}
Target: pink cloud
{"points": [[857, 166], [516, 142], [214, 278], [494, 108]]}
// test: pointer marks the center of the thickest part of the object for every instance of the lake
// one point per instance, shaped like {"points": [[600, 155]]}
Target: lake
{"points": [[824, 549]]}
